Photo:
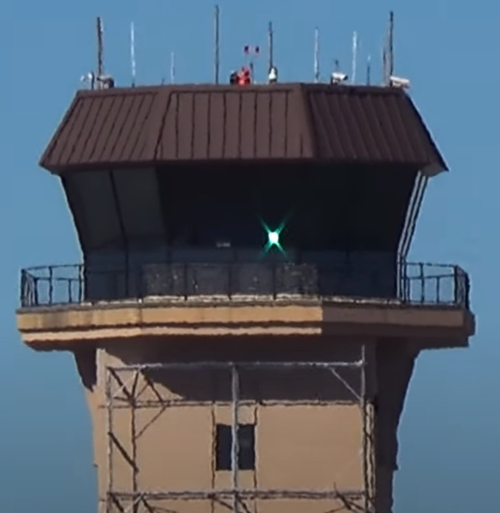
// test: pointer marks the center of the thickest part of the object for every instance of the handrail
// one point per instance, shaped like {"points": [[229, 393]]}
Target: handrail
{"points": [[408, 283]]}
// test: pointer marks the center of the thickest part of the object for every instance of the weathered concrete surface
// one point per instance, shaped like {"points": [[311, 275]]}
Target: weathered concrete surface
{"points": [[66, 327]]}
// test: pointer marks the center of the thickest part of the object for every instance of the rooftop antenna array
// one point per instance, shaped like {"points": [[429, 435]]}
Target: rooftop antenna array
{"points": [[216, 44], [100, 80], [132, 52], [316, 56], [355, 45]]}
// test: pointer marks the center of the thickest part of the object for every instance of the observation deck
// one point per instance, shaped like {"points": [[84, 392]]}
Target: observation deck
{"points": [[67, 305]]}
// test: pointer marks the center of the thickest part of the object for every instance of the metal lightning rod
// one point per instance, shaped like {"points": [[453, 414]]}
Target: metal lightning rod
{"points": [[100, 50], [355, 43], [270, 38], [388, 52], [216, 44], [172, 68], [316, 55], [132, 53], [390, 49]]}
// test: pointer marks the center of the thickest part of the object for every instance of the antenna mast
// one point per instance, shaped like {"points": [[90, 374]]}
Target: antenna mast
{"points": [[172, 68], [355, 43], [216, 44], [316, 55], [390, 41], [369, 70], [270, 35], [100, 50], [132, 52], [388, 52]]}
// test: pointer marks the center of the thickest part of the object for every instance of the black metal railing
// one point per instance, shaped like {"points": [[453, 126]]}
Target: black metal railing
{"points": [[412, 283]]}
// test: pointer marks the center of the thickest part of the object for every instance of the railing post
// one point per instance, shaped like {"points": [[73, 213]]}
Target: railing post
{"points": [[35, 291], [462, 287], [230, 280], [126, 276], [51, 285], [407, 282], [185, 276], [80, 281], [139, 278], [403, 282], [467, 289], [456, 292], [22, 291], [274, 285], [422, 283]]}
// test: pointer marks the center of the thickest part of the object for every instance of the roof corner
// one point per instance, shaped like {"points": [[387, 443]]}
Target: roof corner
{"points": [[45, 159]]}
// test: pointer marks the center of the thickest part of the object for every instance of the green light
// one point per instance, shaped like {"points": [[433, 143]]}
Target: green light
{"points": [[273, 238]]}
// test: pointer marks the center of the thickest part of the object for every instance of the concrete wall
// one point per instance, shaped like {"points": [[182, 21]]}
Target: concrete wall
{"points": [[297, 446]]}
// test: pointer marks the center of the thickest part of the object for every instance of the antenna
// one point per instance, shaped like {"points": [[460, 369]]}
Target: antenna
{"points": [[251, 53], [100, 48], [355, 42], [270, 36], [384, 61], [388, 52], [369, 70], [172, 68], [316, 55], [216, 44], [390, 41], [132, 52]]}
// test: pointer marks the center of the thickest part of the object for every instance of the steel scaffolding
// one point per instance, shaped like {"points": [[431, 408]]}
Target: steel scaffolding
{"points": [[136, 500]]}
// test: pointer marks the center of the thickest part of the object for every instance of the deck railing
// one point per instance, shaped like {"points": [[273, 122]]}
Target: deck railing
{"points": [[411, 283]]}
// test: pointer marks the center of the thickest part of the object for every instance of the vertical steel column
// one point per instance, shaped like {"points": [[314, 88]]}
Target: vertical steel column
{"points": [[235, 446], [133, 436], [109, 420], [364, 441]]}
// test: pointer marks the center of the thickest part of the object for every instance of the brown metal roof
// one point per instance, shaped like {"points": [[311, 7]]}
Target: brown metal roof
{"points": [[144, 125]]}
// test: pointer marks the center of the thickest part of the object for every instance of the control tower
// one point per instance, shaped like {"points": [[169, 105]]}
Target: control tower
{"points": [[244, 320]]}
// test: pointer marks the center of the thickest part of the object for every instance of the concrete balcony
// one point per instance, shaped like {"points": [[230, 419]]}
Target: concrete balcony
{"points": [[65, 305]]}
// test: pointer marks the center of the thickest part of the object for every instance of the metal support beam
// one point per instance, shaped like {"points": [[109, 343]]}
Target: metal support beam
{"points": [[122, 396], [235, 446]]}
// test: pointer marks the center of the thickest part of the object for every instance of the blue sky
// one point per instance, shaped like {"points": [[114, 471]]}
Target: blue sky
{"points": [[450, 446]]}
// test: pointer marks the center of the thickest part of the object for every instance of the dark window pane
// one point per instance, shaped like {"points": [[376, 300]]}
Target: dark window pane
{"points": [[246, 455], [246, 437], [223, 447]]}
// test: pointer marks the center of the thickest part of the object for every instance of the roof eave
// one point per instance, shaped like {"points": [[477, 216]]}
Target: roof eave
{"points": [[44, 160]]}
